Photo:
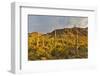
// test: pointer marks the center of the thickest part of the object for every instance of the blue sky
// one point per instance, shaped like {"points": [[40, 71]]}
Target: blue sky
{"points": [[45, 24]]}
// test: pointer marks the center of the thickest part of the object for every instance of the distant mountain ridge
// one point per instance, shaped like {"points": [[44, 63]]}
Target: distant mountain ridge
{"points": [[74, 31]]}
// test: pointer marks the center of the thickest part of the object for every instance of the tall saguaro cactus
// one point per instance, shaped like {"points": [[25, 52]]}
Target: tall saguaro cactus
{"points": [[55, 35], [77, 37], [37, 39]]}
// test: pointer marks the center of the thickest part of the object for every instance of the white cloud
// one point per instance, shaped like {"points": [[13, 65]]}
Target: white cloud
{"points": [[78, 22]]}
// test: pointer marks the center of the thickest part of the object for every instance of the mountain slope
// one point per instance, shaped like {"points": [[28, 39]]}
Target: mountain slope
{"points": [[64, 43]]}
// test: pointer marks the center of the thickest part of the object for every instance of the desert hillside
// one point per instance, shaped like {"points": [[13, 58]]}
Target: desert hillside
{"points": [[67, 43]]}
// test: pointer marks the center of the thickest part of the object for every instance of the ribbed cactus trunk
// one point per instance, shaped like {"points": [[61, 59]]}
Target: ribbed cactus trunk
{"points": [[43, 42], [37, 39], [55, 37], [77, 46]]}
